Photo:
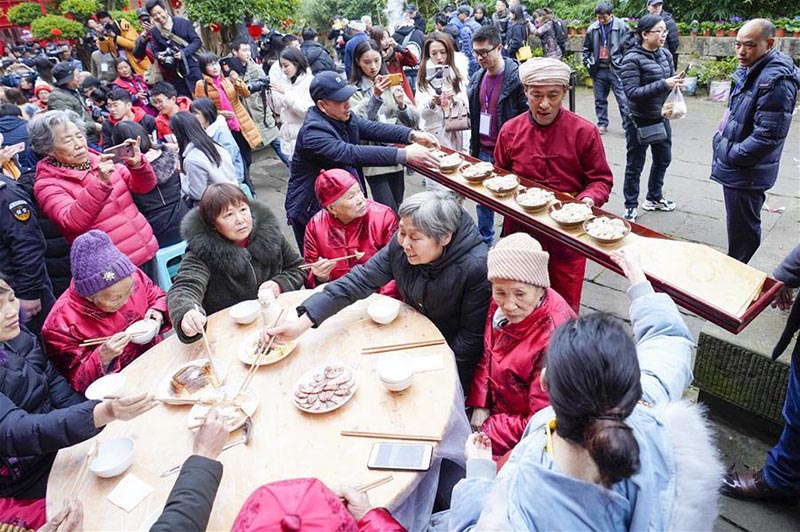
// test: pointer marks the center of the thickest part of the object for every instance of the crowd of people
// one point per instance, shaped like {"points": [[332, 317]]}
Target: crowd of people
{"points": [[151, 145]]}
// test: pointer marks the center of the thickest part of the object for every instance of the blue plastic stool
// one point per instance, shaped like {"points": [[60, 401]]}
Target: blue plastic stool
{"points": [[168, 261], [246, 190]]}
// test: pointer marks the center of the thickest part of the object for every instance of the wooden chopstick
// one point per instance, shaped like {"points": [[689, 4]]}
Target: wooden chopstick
{"points": [[215, 380], [79, 478], [103, 339], [353, 256], [252, 371], [399, 347], [389, 436], [363, 488]]}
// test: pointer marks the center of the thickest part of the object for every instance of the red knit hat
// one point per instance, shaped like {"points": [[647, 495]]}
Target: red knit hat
{"points": [[302, 504], [40, 88], [331, 184]]}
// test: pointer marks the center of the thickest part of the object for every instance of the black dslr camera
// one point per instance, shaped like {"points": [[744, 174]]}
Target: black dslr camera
{"points": [[258, 85], [167, 57]]}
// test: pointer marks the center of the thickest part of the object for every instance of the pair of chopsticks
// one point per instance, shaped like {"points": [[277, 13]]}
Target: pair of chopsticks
{"points": [[215, 380], [389, 436], [103, 339], [252, 371], [79, 478], [357, 255], [363, 488], [374, 350]]}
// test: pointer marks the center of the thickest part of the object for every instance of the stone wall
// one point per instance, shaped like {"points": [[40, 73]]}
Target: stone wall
{"points": [[709, 47]]}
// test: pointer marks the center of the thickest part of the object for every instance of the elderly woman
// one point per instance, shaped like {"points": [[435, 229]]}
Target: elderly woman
{"points": [[348, 223], [107, 294], [523, 314], [236, 251], [78, 190], [618, 449], [40, 414], [438, 261]]}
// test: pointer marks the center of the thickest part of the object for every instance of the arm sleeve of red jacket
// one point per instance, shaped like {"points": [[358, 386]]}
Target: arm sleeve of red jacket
{"points": [[80, 365], [478, 396], [407, 58], [379, 520], [502, 159], [140, 179], [156, 299], [310, 250], [73, 215], [598, 176]]}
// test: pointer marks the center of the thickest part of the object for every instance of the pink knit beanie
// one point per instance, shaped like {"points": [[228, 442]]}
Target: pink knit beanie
{"points": [[519, 257]]}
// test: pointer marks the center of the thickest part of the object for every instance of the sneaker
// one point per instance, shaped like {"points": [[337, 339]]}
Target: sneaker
{"points": [[602, 129], [631, 214], [661, 205]]}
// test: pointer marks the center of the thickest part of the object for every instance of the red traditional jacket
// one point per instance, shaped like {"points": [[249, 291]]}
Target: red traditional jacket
{"points": [[329, 238], [74, 319], [506, 380]]}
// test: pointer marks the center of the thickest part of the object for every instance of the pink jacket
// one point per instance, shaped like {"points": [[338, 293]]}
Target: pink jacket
{"points": [[77, 201], [74, 319]]}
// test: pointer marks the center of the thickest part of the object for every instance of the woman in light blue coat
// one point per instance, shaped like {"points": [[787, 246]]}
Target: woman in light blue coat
{"points": [[217, 128], [618, 450]]}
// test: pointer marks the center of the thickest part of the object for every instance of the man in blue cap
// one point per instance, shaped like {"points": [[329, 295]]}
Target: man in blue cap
{"points": [[331, 137]]}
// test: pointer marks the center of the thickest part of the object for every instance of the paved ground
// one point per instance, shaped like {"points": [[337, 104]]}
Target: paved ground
{"points": [[699, 217]]}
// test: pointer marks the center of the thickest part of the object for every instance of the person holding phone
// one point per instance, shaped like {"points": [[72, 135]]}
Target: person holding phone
{"points": [[648, 76], [396, 57], [291, 97], [377, 100]]}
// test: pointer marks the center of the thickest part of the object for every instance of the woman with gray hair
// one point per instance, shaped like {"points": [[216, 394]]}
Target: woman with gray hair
{"points": [[79, 190], [438, 260]]}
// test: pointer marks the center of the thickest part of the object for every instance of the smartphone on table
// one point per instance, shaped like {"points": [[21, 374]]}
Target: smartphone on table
{"points": [[401, 456], [120, 152]]}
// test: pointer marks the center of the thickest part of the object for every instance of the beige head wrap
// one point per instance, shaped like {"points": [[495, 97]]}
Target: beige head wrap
{"points": [[544, 71]]}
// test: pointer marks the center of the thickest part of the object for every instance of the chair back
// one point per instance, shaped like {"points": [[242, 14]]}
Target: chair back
{"points": [[168, 261]]}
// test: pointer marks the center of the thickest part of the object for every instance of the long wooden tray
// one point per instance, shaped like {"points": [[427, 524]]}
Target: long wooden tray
{"points": [[681, 292]]}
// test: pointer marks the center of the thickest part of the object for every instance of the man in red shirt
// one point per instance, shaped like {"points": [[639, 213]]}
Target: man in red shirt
{"points": [[556, 148]]}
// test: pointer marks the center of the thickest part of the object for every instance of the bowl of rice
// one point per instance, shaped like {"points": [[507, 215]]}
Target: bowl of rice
{"points": [[450, 163], [533, 199], [571, 214], [502, 186], [607, 230], [477, 172]]}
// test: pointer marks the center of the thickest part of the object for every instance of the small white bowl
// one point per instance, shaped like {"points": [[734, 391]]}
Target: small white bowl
{"points": [[147, 328], [245, 312], [114, 457], [107, 385], [383, 310], [395, 372]]}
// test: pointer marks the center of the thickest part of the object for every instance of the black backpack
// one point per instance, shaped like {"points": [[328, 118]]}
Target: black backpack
{"points": [[561, 34]]}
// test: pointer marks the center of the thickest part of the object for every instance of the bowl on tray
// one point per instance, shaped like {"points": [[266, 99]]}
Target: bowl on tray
{"points": [[502, 186], [570, 214]]}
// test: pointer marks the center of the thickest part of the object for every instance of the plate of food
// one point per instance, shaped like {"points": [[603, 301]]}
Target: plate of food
{"points": [[324, 388], [476, 173], [502, 185], [533, 199], [232, 415], [249, 347], [450, 163], [193, 380], [571, 214], [606, 229]]}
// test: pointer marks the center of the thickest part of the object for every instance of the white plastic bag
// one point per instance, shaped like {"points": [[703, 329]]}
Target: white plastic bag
{"points": [[674, 107]]}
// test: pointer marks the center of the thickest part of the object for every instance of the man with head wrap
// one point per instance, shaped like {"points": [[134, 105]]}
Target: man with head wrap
{"points": [[556, 148]]}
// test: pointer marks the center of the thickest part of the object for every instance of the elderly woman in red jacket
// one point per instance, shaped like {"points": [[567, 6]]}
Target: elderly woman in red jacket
{"points": [[523, 314], [79, 190], [347, 223], [107, 294]]}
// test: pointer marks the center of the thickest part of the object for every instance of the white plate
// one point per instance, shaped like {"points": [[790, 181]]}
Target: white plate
{"points": [[107, 385], [308, 379], [250, 342], [165, 387], [248, 408]]}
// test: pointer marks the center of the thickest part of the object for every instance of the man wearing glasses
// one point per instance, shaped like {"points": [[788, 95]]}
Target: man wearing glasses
{"points": [[750, 138], [495, 96]]}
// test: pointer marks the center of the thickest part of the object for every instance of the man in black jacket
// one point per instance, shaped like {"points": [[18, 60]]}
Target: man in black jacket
{"points": [[656, 7], [413, 14], [495, 96], [319, 60]]}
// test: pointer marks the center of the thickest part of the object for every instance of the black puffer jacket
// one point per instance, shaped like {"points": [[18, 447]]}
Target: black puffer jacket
{"points": [[216, 273], [163, 206], [642, 75], [453, 292], [40, 413], [319, 60]]}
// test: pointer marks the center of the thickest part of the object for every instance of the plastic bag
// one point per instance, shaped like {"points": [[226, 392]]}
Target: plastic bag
{"points": [[674, 107]]}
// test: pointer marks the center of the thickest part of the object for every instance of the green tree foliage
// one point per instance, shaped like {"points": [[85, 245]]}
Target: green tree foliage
{"points": [[24, 14], [319, 13], [42, 27], [82, 10], [229, 12], [129, 15]]}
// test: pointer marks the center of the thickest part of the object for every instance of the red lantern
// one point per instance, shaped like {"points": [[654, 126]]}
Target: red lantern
{"points": [[254, 30], [214, 27], [55, 32], [177, 4]]}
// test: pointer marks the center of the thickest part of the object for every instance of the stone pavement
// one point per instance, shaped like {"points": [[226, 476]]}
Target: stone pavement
{"points": [[699, 217]]}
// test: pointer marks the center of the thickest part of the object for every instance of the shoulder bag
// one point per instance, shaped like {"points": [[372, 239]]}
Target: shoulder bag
{"points": [[456, 117]]}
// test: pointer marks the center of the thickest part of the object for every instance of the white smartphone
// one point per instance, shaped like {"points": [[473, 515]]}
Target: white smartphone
{"points": [[401, 456]]}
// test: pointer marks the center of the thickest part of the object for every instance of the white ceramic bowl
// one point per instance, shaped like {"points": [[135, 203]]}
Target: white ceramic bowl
{"points": [[245, 312], [107, 385], [114, 457], [395, 372], [383, 310], [147, 328]]}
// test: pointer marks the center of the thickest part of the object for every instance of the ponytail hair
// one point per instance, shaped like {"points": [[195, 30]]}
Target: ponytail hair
{"points": [[593, 380]]}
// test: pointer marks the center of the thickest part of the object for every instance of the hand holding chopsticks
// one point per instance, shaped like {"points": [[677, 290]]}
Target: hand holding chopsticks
{"points": [[259, 355], [374, 350], [103, 339], [357, 255], [216, 382]]}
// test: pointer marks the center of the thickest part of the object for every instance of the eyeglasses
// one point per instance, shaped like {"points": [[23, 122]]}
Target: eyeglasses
{"points": [[482, 53], [660, 32]]}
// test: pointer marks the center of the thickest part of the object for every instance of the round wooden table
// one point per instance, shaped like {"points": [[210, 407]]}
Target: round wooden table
{"points": [[287, 443]]}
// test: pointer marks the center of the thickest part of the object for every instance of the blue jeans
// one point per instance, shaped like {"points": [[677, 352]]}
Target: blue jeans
{"points": [[636, 156], [276, 145], [782, 470], [605, 81], [485, 214]]}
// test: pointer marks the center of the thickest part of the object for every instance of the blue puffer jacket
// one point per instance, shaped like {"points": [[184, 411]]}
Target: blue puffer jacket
{"points": [[324, 143], [15, 130], [747, 152], [40, 413]]}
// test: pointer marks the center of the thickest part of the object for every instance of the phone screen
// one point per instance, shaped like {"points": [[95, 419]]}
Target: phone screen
{"points": [[120, 152], [415, 456]]}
